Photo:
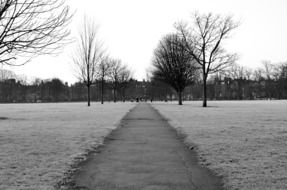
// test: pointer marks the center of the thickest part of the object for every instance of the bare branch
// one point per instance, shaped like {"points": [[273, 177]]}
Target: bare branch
{"points": [[203, 41], [32, 27]]}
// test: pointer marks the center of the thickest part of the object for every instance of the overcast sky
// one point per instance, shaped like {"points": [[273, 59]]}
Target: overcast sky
{"points": [[131, 30]]}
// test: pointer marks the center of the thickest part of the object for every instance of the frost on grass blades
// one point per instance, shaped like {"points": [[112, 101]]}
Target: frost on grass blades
{"points": [[39, 142], [244, 141]]}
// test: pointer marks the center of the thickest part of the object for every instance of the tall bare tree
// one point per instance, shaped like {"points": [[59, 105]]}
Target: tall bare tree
{"points": [[104, 71], [32, 27], [88, 55], [203, 40], [173, 65]]}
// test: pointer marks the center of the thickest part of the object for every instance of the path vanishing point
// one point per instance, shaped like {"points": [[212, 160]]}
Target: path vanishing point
{"points": [[145, 153]]}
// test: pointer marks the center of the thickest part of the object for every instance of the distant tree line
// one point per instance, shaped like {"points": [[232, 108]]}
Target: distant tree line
{"points": [[15, 89], [240, 83], [234, 83]]}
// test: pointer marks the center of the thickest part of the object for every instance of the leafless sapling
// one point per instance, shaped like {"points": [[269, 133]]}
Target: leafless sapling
{"points": [[88, 55]]}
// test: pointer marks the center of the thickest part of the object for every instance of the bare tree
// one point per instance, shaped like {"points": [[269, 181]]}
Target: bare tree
{"points": [[236, 72], [88, 55], [258, 74], [248, 73], [125, 76], [280, 70], [6, 74], [173, 65], [116, 69], [203, 40], [104, 71], [281, 78], [32, 27], [269, 71]]}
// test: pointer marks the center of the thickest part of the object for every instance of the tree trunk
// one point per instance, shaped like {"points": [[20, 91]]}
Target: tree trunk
{"points": [[89, 97], [88, 84], [124, 98], [115, 88], [204, 91], [165, 95], [115, 96], [102, 91], [179, 98]]}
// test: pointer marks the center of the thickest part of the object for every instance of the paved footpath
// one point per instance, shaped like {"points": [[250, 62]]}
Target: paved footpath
{"points": [[145, 153]]}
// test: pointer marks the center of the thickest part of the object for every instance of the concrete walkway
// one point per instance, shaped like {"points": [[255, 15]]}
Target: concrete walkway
{"points": [[144, 154]]}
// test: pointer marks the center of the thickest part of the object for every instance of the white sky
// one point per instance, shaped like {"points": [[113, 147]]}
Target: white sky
{"points": [[131, 30]]}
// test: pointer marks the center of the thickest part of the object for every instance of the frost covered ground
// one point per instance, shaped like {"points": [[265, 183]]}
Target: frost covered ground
{"points": [[244, 141], [39, 142]]}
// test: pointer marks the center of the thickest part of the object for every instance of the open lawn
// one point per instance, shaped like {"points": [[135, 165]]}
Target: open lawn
{"points": [[244, 141], [39, 142]]}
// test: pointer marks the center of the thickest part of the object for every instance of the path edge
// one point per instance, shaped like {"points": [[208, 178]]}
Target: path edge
{"points": [[68, 182], [191, 146]]}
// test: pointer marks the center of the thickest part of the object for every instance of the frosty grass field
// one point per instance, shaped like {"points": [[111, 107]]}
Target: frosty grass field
{"points": [[39, 142], [243, 141]]}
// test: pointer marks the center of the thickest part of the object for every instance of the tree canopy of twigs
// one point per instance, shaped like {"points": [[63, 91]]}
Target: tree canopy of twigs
{"points": [[125, 75], [104, 70], [116, 69], [6, 74], [32, 27], [203, 40], [88, 55], [173, 65]]}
